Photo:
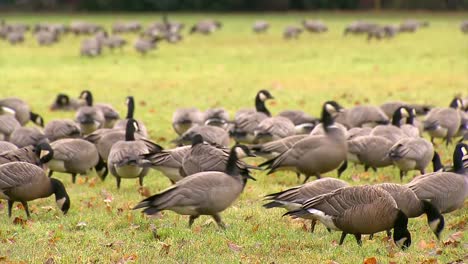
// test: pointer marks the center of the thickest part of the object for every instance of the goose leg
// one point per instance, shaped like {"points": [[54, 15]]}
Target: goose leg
{"points": [[343, 236], [371, 236], [389, 233], [342, 168], [218, 220], [366, 168], [298, 176], [10, 206], [74, 178], [374, 169], [118, 180], [402, 174], [306, 179], [26, 208], [140, 180], [448, 141], [312, 225], [329, 230], [50, 173], [192, 219], [358, 239]]}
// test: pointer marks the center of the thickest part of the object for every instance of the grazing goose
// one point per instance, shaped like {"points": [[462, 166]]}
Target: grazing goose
{"points": [[206, 27], [390, 107], [272, 149], [304, 123], [447, 191], [206, 157], [314, 26], [185, 118], [292, 32], [143, 45], [315, 154], [371, 151], [23, 182], [392, 132], [356, 132], [124, 156], [247, 120], [216, 117], [293, 198], [211, 134], [25, 136], [411, 154], [37, 155], [8, 124], [110, 114], [75, 156], [362, 116], [61, 128], [20, 110], [169, 162], [358, 210], [274, 128], [412, 206], [122, 124], [203, 193], [260, 26], [6, 146], [64, 103], [89, 117], [444, 122], [90, 47]]}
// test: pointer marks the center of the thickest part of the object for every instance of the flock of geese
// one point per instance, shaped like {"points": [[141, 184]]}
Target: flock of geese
{"points": [[207, 176], [99, 38]]}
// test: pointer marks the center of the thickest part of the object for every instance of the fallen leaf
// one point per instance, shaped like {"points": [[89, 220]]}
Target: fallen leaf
{"points": [[144, 191], [255, 228], [48, 208], [457, 236], [429, 261], [164, 249], [19, 221], [234, 247], [371, 260], [142, 103], [424, 245], [92, 182], [355, 178], [247, 218], [49, 261]]}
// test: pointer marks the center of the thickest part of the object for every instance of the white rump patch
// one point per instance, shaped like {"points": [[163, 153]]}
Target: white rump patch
{"points": [[327, 220]]}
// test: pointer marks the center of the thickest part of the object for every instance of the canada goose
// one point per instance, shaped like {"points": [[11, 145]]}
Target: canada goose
{"points": [[89, 117], [464, 26], [216, 117], [272, 149], [371, 151], [389, 107], [359, 27], [143, 45], [6, 146], [358, 210], [304, 123], [293, 198], [246, 120], [20, 110], [314, 26], [412, 206], [356, 132], [90, 47], [75, 156], [203, 193], [444, 122], [46, 38], [260, 26], [168, 161], [205, 157], [447, 191], [64, 103], [392, 132], [412, 128], [8, 124], [211, 134], [61, 128], [185, 118], [25, 136], [23, 182], [122, 124], [114, 41], [292, 32], [206, 27], [362, 116], [37, 155], [110, 114], [315, 154], [15, 37], [274, 128], [124, 156], [411, 154]]}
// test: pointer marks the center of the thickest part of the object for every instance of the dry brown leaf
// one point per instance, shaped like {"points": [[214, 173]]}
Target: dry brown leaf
{"points": [[164, 249], [356, 178], [371, 260], [49, 261], [457, 236], [255, 228], [234, 247], [424, 245], [197, 229], [429, 261], [20, 221], [144, 191], [332, 262], [92, 182], [142, 103]]}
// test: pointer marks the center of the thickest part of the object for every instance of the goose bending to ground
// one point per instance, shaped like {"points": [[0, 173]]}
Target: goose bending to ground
{"points": [[21, 110], [64, 103], [362, 116], [274, 128], [358, 210], [168, 161], [25, 136], [211, 134], [185, 118], [303, 122], [203, 193], [89, 117], [23, 182], [315, 154], [61, 128], [37, 155], [110, 114]]}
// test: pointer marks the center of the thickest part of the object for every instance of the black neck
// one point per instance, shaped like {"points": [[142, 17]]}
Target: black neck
{"points": [[454, 103], [130, 107], [458, 157], [433, 214], [410, 119], [396, 118], [58, 189], [326, 119], [436, 163], [231, 167], [401, 229], [130, 130], [260, 106], [89, 99]]}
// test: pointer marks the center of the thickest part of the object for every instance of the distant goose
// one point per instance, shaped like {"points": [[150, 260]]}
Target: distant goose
{"points": [[304, 123], [260, 26], [292, 32], [110, 114], [216, 117], [89, 117], [206, 27], [185, 118], [64, 103], [314, 26]]}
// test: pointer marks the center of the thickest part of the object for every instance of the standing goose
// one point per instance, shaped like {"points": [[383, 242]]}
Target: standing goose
{"points": [[75, 156], [444, 122], [274, 128], [315, 154], [358, 210], [392, 132], [185, 118], [25, 136], [61, 128], [64, 103], [447, 191], [23, 182], [37, 155], [203, 193], [124, 156], [247, 120], [122, 124], [169, 162], [8, 124], [411, 154], [89, 117], [21, 110], [211, 134], [293, 198], [412, 206], [110, 114]]}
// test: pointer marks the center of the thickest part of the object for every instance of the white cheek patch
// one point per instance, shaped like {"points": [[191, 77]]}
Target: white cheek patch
{"points": [[240, 153], [135, 125], [433, 224], [404, 112], [330, 108], [60, 202], [43, 153], [127, 101], [263, 97], [464, 151]]}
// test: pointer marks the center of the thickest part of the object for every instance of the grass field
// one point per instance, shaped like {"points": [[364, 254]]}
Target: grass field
{"points": [[226, 69]]}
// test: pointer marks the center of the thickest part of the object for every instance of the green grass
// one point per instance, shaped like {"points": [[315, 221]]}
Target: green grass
{"points": [[227, 69]]}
